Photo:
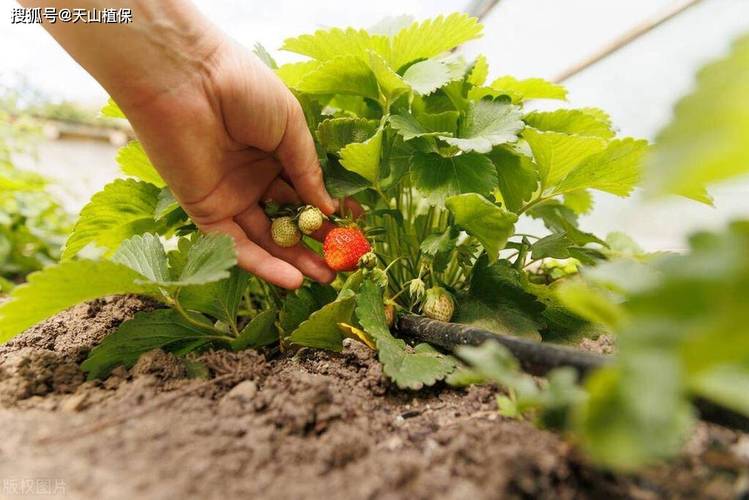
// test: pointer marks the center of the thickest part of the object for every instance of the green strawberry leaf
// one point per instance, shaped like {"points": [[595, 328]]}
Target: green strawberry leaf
{"points": [[353, 106], [498, 300], [440, 246], [445, 121], [425, 77], [63, 285], [134, 162], [341, 182], [112, 110], [264, 56], [123, 208], [341, 75], [560, 219], [438, 243], [426, 125], [502, 319], [409, 128], [615, 170], [206, 260], [325, 45], [552, 402], [557, 154], [520, 90], [635, 414], [336, 133], [166, 204], [209, 259], [321, 330], [145, 255], [589, 303], [487, 124], [488, 223], [493, 362], [580, 201], [562, 246], [479, 71], [162, 328], [562, 324], [298, 306], [391, 83], [570, 121], [219, 299], [259, 332], [409, 368], [555, 245], [293, 74], [396, 161], [432, 37], [517, 178], [725, 385], [706, 141], [438, 178], [363, 158]]}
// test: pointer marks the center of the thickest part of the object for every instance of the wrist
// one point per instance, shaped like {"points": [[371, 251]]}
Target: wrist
{"points": [[176, 48]]}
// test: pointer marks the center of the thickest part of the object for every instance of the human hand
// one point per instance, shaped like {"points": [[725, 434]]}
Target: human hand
{"points": [[225, 142], [219, 126]]}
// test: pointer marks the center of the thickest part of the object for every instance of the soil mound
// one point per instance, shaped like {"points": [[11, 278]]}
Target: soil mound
{"points": [[309, 425]]}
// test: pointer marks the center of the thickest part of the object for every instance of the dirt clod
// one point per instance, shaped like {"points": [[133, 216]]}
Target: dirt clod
{"points": [[162, 365], [243, 393], [28, 372]]}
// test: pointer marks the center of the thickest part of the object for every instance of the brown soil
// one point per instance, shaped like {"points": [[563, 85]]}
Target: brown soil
{"points": [[312, 425]]}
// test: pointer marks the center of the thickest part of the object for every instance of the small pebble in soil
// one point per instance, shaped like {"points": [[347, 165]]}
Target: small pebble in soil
{"points": [[244, 392], [75, 403]]}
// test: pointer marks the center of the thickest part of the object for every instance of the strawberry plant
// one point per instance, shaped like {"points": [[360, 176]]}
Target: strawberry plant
{"points": [[443, 161]]}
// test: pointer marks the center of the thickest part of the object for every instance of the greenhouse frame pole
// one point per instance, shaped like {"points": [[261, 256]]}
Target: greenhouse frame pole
{"points": [[630, 36]]}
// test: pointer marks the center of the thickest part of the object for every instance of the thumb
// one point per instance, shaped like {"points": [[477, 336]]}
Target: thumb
{"points": [[298, 157]]}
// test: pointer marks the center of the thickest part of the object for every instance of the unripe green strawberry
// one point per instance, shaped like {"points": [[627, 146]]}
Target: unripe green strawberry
{"points": [[343, 247], [284, 232], [438, 304], [310, 219]]}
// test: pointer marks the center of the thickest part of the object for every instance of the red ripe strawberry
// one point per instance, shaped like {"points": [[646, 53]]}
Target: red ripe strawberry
{"points": [[343, 247]]}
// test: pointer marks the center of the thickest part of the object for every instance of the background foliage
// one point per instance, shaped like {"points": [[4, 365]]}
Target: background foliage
{"points": [[33, 225]]}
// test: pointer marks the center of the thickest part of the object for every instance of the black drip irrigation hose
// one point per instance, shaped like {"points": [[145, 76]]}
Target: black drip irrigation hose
{"points": [[540, 358], [534, 357]]}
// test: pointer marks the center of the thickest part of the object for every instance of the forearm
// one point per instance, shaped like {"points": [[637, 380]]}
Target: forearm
{"points": [[168, 44]]}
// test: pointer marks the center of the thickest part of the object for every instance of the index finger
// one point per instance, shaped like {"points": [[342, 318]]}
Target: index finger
{"points": [[297, 155]]}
